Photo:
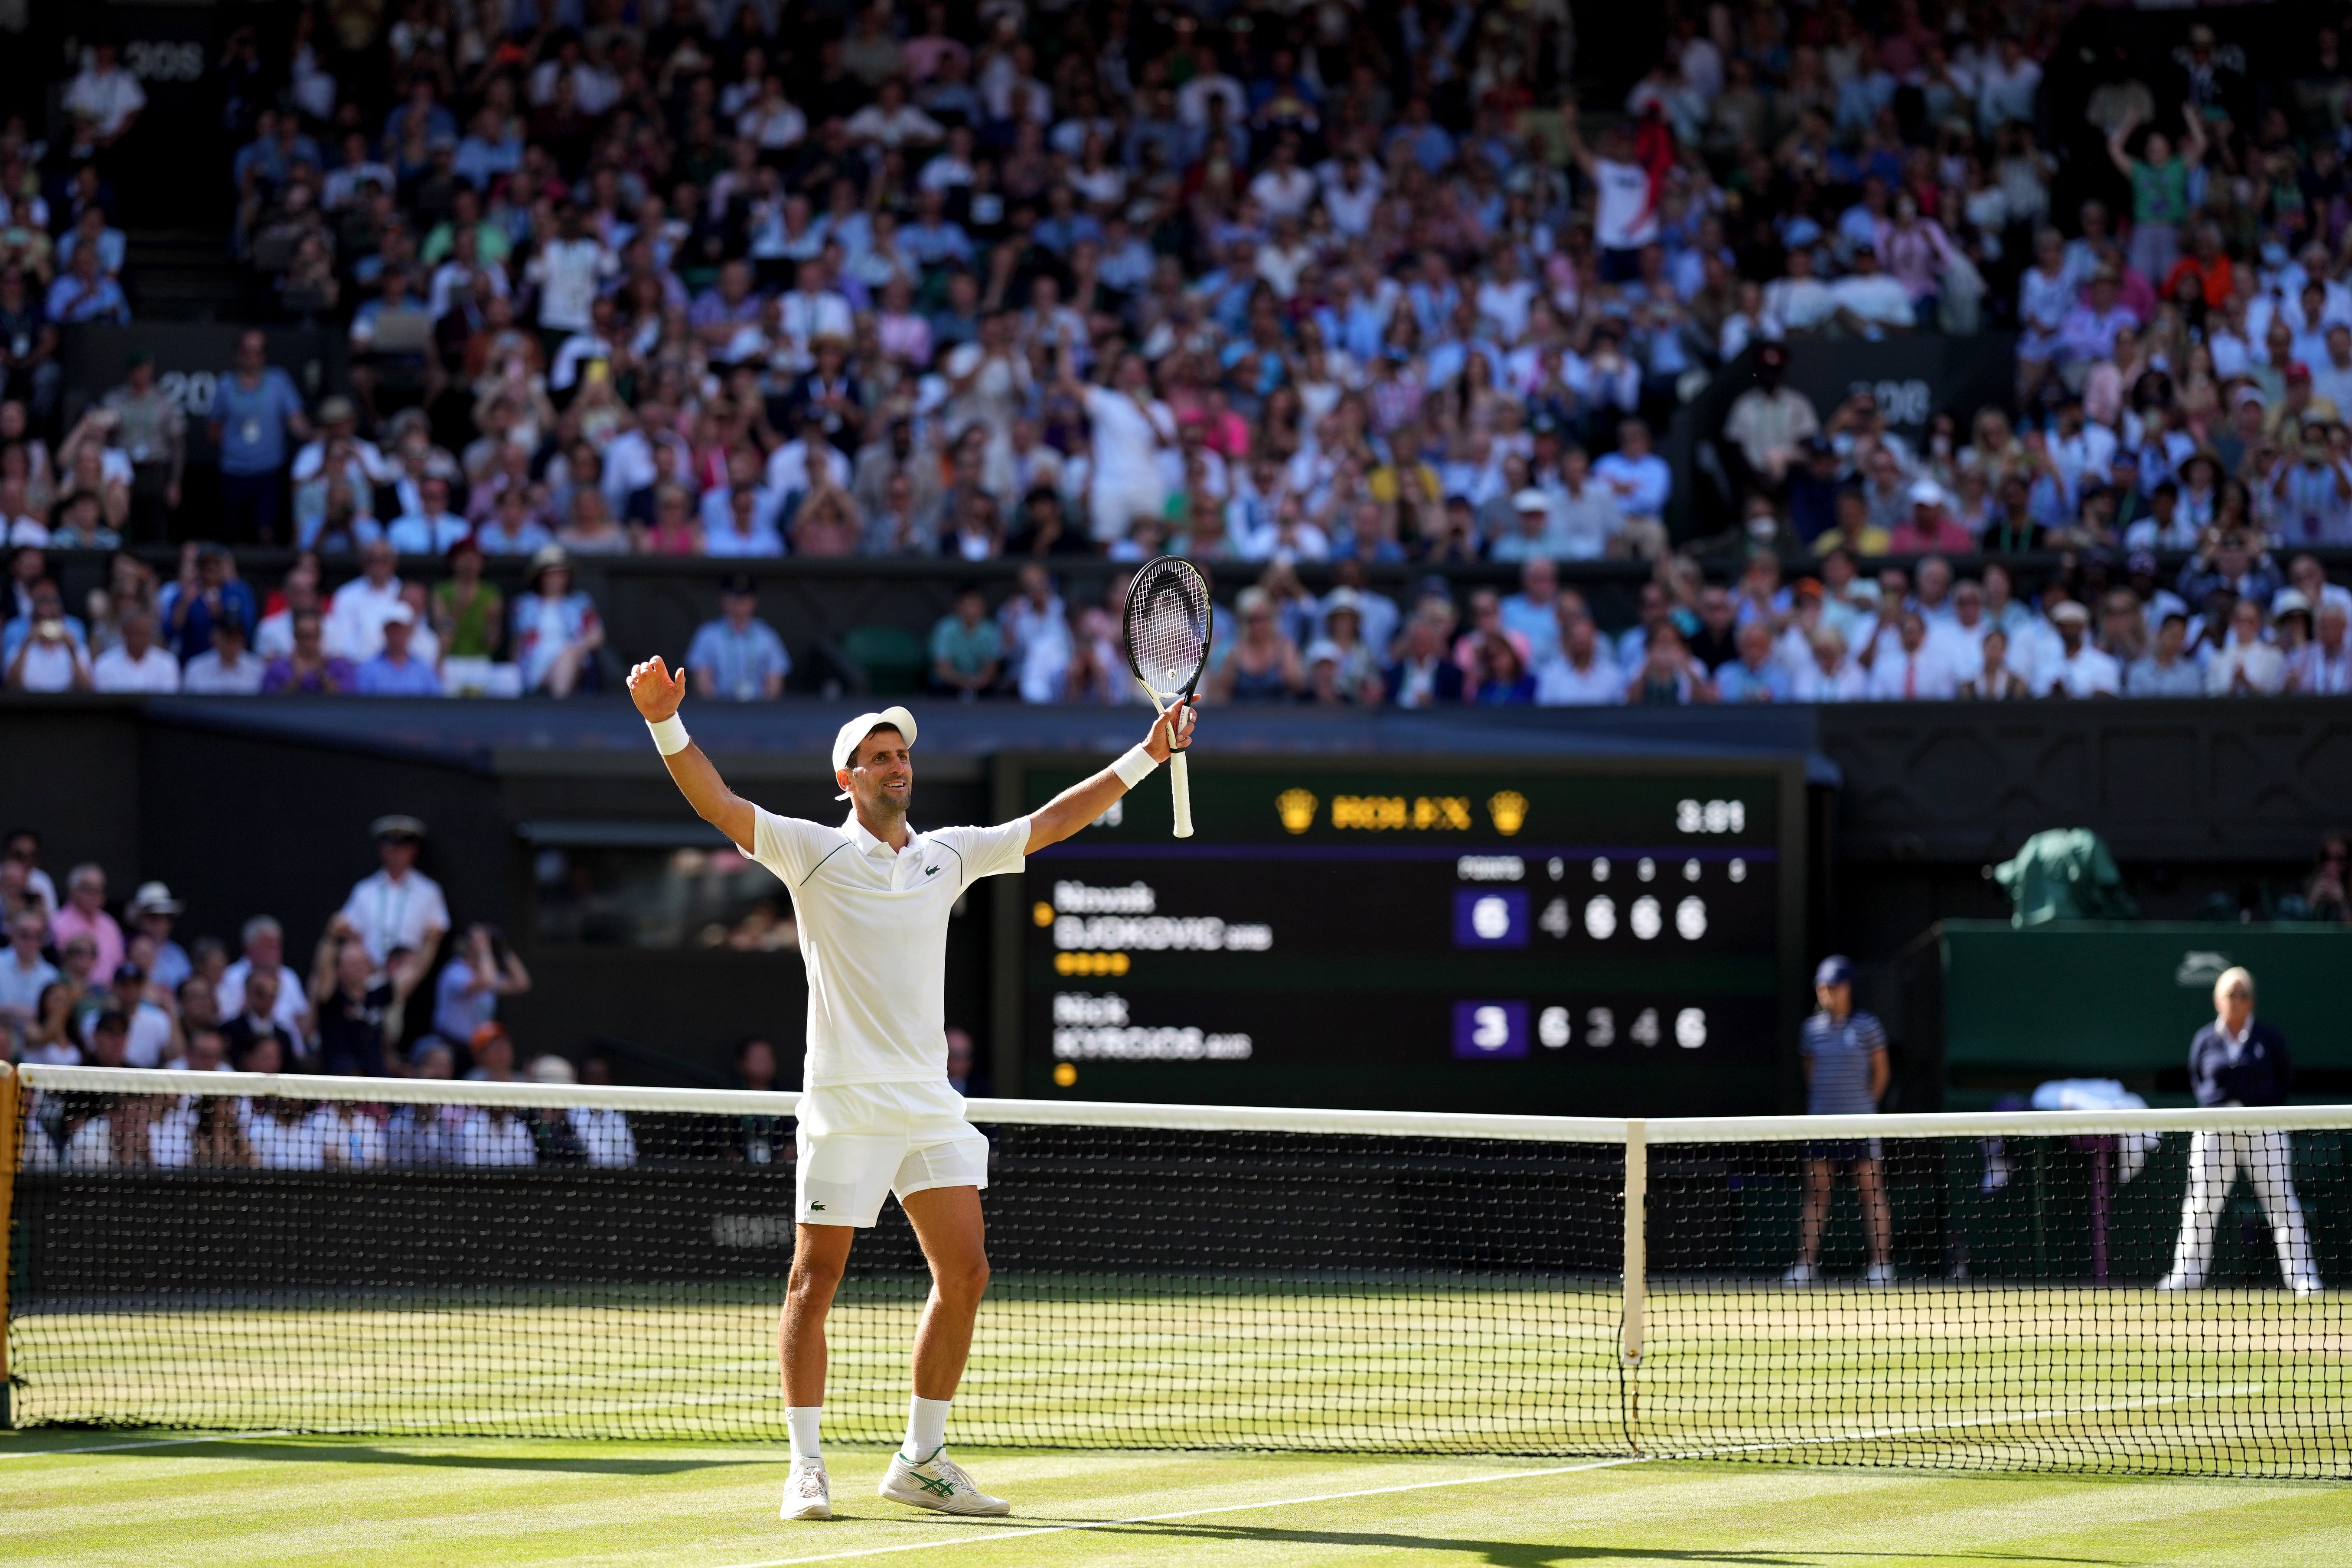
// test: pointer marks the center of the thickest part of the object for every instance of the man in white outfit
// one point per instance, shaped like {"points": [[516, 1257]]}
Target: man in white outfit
{"points": [[2237, 1061], [876, 1114], [1129, 427]]}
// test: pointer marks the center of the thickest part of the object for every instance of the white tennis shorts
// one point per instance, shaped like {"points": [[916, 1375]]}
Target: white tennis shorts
{"points": [[859, 1142]]}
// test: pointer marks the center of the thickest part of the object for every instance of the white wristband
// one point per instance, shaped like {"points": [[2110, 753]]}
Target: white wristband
{"points": [[669, 735], [1133, 766]]}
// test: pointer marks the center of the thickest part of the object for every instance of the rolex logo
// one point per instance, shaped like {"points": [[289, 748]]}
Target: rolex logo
{"points": [[1509, 810], [1296, 807]]}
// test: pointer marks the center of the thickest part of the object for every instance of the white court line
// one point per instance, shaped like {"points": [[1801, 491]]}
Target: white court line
{"points": [[1510, 1475], [1001, 1535], [151, 1443]]}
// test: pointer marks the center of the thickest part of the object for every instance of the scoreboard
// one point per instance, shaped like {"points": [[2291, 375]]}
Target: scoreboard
{"points": [[1600, 936]]}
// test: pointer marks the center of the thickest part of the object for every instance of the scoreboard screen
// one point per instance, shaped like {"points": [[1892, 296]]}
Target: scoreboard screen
{"points": [[1599, 937]]}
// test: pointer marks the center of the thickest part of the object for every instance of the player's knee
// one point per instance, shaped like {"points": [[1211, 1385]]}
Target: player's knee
{"points": [[963, 1283], [814, 1275]]}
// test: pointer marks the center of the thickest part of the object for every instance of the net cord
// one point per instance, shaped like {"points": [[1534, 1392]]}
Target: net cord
{"points": [[1686, 1130]]}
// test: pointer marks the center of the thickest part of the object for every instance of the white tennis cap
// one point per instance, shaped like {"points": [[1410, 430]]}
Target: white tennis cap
{"points": [[846, 738]]}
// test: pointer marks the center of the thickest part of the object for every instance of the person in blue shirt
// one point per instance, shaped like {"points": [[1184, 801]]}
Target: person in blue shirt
{"points": [[2239, 1061], [207, 593], [1755, 676], [83, 292], [737, 657], [433, 529], [1846, 1072], [254, 408], [396, 672]]}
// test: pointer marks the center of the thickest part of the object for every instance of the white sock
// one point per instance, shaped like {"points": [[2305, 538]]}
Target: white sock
{"points": [[926, 1428], [803, 1421]]}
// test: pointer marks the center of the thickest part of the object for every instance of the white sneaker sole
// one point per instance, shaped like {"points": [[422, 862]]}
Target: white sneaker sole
{"points": [[806, 1510], [994, 1507]]}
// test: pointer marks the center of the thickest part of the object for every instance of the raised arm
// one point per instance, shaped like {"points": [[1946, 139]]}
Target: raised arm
{"points": [[657, 694], [1080, 803]]}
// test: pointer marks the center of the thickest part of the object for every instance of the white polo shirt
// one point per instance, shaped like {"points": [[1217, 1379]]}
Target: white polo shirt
{"points": [[392, 914], [874, 935]]}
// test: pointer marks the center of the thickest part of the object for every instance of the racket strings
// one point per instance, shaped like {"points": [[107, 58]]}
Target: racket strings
{"points": [[1167, 628]]}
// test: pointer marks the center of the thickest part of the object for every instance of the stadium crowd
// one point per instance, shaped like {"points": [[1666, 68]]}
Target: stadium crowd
{"points": [[81, 986], [1270, 285]]}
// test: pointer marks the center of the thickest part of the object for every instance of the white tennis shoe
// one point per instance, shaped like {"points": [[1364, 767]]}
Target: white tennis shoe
{"points": [[807, 1494], [1879, 1276], [2177, 1281], [938, 1483], [1800, 1274]]}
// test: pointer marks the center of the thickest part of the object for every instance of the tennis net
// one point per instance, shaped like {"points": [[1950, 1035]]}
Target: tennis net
{"points": [[309, 1254]]}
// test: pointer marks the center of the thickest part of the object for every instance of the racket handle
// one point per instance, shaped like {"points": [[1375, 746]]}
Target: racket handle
{"points": [[1180, 784]]}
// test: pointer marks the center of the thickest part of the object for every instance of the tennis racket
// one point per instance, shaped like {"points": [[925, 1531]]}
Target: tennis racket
{"points": [[1168, 617]]}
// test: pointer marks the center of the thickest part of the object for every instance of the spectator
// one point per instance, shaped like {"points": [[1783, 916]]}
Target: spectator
{"points": [[1828, 676], [259, 1031], [1771, 422], [1915, 669], [261, 974], [2250, 665], [22, 850], [1262, 663], [737, 657], [394, 671], [1420, 676], [483, 970], [1582, 672], [152, 910], [85, 915], [556, 630], [151, 430], [1755, 675], [433, 529], [468, 614], [307, 668], [137, 663], [206, 593], [967, 647], [254, 408], [45, 651], [1668, 676], [226, 669], [85, 293], [397, 908], [352, 628], [24, 975], [2165, 669], [354, 1000], [2076, 668]]}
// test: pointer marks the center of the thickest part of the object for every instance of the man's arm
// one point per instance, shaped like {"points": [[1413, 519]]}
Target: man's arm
{"points": [[1080, 803], [1882, 1073], [657, 694]]}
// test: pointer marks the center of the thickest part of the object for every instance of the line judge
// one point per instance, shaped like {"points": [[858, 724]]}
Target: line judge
{"points": [[2239, 1061], [876, 1114]]}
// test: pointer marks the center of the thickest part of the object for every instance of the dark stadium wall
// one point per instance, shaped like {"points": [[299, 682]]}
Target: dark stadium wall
{"points": [[71, 773]]}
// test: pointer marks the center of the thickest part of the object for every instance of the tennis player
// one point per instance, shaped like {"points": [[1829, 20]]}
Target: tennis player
{"points": [[877, 1115]]}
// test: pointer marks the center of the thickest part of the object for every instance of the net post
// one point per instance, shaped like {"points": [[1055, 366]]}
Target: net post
{"points": [[9, 1113], [1637, 1268]]}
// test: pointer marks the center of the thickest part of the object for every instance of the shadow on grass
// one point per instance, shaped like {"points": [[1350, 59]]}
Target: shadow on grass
{"points": [[1532, 1554], [328, 1451]]}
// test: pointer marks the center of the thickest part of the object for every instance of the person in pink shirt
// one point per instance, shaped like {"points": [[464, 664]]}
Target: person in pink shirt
{"points": [[85, 915], [1930, 530]]}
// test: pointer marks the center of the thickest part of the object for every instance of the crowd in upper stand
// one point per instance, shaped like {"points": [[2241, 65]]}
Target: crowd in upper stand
{"points": [[1272, 285]]}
